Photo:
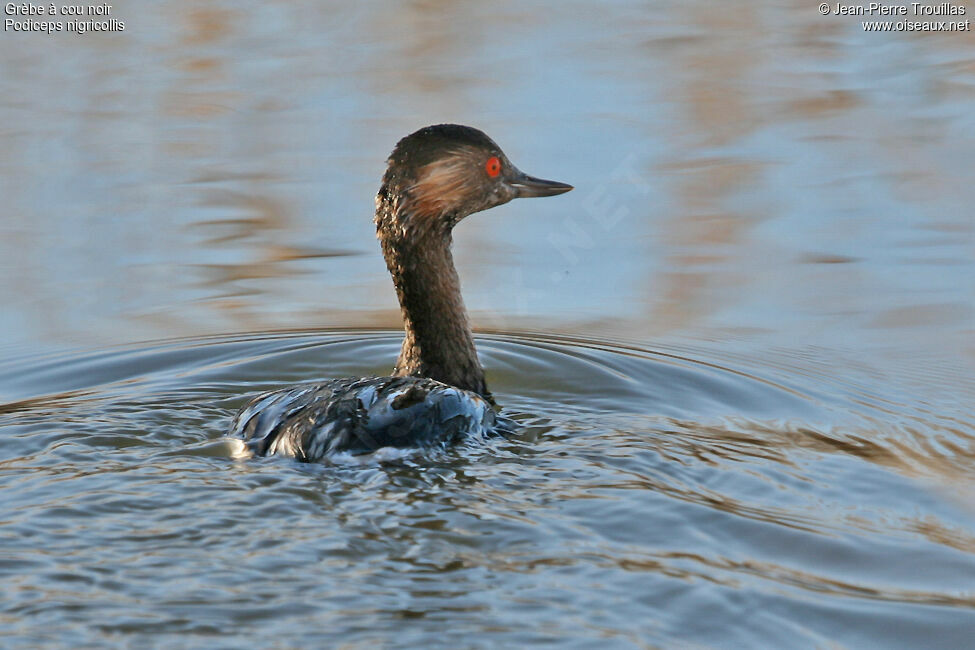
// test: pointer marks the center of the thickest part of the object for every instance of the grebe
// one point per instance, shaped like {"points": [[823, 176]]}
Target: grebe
{"points": [[437, 394]]}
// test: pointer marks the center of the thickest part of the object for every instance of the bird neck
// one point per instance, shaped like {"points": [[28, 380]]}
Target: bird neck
{"points": [[438, 343]]}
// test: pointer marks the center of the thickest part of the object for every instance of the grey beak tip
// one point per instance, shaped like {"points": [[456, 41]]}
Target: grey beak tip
{"points": [[528, 186]]}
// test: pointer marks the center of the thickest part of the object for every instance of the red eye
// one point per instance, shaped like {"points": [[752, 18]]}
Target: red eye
{"points": [[493, 166]]}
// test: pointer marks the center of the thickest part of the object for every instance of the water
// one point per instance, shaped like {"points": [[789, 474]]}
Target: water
{"points": [[651, 497], [741, 350]]}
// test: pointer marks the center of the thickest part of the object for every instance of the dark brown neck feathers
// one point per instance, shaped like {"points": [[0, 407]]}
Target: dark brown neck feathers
{"points": [[438, 342]]}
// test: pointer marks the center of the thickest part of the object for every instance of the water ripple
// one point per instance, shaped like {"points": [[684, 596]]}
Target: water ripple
{"points": [[642, 486]]}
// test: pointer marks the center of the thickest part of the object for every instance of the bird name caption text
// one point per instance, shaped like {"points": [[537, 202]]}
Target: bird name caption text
{"points": [[51, 18], [915, 16]]}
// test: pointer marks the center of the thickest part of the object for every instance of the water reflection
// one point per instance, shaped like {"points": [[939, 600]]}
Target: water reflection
{"points": [[756, 145]]}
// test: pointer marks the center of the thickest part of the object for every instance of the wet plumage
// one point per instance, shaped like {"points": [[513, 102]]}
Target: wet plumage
{"points": [[361, 415]]}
